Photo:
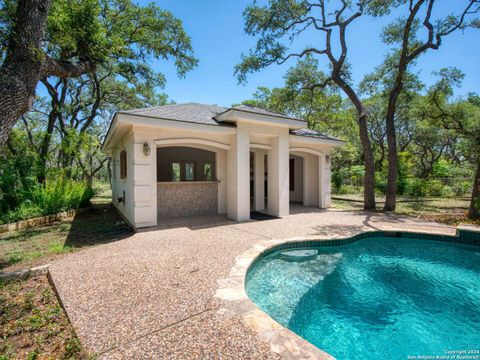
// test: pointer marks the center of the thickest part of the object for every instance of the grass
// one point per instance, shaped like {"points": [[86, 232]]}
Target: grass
{"points": [[33, 324], [41, 245], [446, 210]]}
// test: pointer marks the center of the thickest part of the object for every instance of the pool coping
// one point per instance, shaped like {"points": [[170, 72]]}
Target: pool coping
{"points": [[283, 341]]}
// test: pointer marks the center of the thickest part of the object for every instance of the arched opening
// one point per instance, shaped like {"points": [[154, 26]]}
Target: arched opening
{"points": [[186, 181], [305, 172], [181, 163]]}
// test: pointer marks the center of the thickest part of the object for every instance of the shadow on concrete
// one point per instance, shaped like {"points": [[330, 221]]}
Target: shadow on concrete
{"points": [[99, 224]]}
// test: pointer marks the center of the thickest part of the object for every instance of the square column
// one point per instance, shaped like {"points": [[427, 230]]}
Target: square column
{"points": [[324, 182], [278, 176], [259, 180], [238, 183], [142, 174], [221, 172]]}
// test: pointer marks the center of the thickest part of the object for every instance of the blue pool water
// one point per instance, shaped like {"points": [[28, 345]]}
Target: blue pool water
{"points": [[375, 298]]}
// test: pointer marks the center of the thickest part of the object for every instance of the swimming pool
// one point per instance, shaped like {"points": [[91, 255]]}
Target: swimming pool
{"points": [[375, 297]]}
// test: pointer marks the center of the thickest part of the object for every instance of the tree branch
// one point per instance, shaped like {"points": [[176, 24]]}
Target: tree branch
{"points": [[66, 69]]}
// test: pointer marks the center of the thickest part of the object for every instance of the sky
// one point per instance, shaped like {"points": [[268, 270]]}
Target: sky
{"points": [[218, 40]]}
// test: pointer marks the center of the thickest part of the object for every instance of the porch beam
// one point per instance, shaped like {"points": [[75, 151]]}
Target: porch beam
{"points": [[195, 141]]}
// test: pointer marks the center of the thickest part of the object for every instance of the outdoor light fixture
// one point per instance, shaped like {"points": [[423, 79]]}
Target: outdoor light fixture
{"points": [[146, 149]]}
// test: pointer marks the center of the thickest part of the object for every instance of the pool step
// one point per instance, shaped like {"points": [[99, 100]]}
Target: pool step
{"points": [[299, 255]]}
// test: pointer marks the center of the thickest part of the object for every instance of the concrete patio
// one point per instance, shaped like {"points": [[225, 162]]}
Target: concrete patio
{"points": [[152, 295]]}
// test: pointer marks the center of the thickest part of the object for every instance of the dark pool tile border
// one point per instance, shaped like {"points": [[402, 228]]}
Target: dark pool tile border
{"points": [[465, 237]]}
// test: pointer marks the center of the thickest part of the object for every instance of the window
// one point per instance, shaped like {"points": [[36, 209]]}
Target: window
{"points": [[189, 171], [176, 163], [207, 172], [175, 170], [292, 174], [182, 171], [123, 164]]}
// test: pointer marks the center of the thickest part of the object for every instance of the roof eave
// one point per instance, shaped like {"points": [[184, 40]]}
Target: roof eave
{"points": [[332, 142], [234, 115], [110, 132]]}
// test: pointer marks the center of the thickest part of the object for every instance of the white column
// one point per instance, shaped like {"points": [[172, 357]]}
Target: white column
{"points": [[259, 180], [321, 182], [221, 172], [238, 207], [327, 184], [278, 190], [143, 176]]}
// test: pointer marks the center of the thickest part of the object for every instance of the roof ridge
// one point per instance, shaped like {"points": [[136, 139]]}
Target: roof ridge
{"points": [[263, 108], [273, 113]]}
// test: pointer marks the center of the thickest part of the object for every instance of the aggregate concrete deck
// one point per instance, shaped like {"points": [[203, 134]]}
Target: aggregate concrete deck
{"points": [[152, 295]]}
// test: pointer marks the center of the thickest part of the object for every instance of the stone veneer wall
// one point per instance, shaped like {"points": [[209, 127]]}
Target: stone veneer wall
{"points": [[187, 198]]}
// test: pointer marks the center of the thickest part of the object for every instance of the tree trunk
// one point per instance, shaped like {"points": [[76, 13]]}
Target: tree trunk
{"points": [[369, 161], [369, 180], [46, 146], [474, 210], [89, 181], [26, 63], [21, 69], [391, 190]]}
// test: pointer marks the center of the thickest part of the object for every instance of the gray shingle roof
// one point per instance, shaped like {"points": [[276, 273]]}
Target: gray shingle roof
{"points": [[205, 114], [313, 133], [259, 110], [189, 112]]}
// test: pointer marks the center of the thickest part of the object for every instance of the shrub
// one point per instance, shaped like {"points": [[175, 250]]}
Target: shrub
{"points": [[461, 188], [55, 196], [61, 194], [337, 180], [434, 187], [448, 191], [404, 168], [417, 187], [381, 183], [348, 189]]}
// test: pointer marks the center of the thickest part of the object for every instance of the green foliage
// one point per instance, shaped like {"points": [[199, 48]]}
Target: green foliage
{"points": [[116, 32], [66, 128], [437, 156], [74, 29], [417, 187], [338, 178], [60, 195], [348, 180], [461, 188], [56, 195], [404, 166], [17, 172]]}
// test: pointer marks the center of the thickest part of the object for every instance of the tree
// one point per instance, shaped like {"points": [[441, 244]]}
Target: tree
{"points": [[461, 117], [25, 63], [81, 37], [286, 20], [405, 31], [124, 79]]}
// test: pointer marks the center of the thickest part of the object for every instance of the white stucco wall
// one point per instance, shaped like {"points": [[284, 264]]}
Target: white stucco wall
{"points": [[297, 194], [123, 187]]}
